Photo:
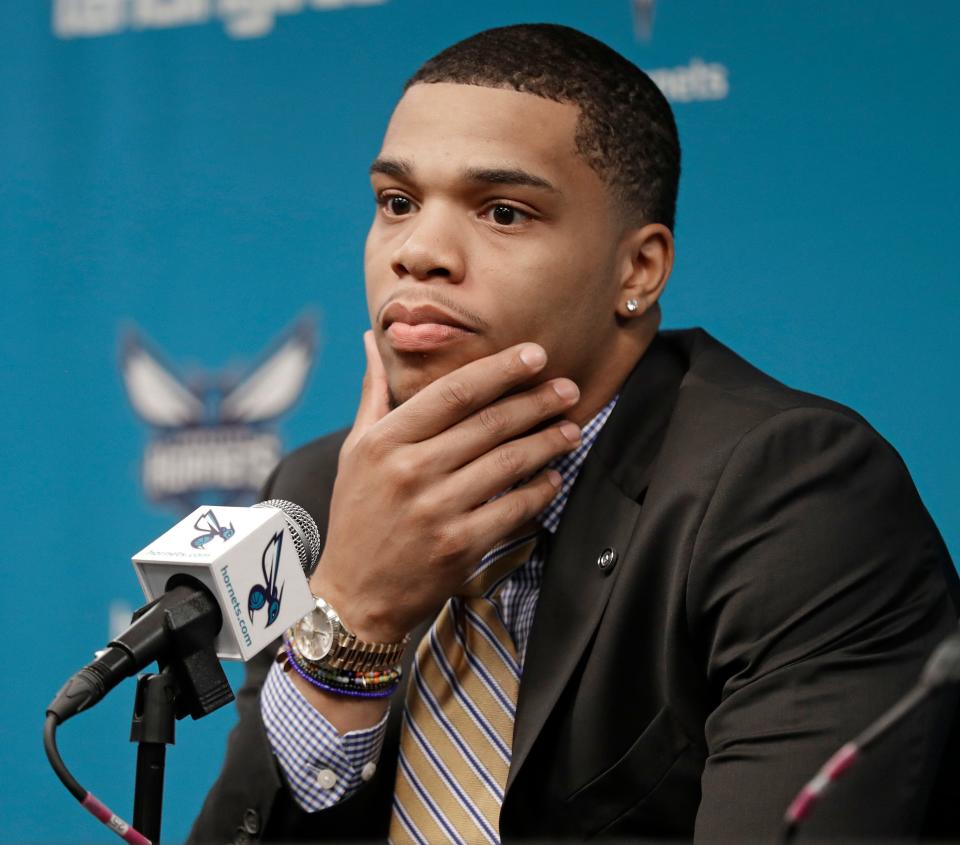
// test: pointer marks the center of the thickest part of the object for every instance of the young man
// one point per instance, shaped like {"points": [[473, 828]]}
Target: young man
{"points": [[713, 580]]}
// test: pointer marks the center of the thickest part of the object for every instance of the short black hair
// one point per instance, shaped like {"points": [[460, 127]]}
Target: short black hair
{"points": [[626, 131]]}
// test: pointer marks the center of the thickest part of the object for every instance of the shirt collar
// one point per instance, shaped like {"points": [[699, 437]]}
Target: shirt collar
{"points": [[569, 467]]}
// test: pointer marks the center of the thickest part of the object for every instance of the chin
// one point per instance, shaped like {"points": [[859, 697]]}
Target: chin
{"points": [[408, 385], [408, 375]]}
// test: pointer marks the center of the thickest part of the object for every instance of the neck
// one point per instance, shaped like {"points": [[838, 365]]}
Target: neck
{"points": [[633, 340]]}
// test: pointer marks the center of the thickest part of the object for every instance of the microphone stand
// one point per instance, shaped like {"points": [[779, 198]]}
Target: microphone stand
{"points": [[191, 682], [154, 727]]}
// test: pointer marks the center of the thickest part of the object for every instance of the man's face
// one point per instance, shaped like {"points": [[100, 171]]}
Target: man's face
{"points": [[490, 230]]}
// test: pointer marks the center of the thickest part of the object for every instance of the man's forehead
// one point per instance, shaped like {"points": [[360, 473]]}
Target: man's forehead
{"points": [[491, 134], [446, 95]]}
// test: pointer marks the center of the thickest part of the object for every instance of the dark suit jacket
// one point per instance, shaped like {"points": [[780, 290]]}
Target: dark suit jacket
{"points": [[777, 585]]}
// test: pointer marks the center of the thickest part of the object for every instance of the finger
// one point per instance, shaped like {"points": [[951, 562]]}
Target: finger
{"points": [[374, 397], [494, 520], [504, 420], [458, 394], [508, 464], [374, 394]]}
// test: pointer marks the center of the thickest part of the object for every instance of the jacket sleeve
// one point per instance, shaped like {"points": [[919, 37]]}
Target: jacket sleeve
{"points": [[818, 587], [241, 801]]}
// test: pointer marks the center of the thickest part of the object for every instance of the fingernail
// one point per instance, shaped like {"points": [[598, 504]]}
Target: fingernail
{"points": [[571, 431], [533, 356], [554, 477], [566, 390]]}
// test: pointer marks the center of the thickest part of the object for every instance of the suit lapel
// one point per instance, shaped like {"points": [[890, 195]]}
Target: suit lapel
{"points": [[603, 513]]}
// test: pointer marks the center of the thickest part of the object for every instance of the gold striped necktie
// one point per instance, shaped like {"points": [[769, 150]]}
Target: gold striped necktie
{"points": [[457, 733]]}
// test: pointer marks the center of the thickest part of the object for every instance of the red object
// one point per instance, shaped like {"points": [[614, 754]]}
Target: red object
{"points": [[104, 814], [829, 773]]}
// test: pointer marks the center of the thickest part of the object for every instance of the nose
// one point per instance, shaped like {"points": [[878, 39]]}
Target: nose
{"points": [[432, 247]]}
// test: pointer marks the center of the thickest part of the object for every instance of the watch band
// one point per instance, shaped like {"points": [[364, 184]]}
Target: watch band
{"points": [[356, 655], [347, 652]]}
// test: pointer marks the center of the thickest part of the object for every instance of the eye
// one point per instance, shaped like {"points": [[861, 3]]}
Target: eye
{"points": [[395, 205], [507, 215]]}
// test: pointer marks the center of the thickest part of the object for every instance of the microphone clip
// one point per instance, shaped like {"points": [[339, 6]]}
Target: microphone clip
{"points": [[177, 630]]}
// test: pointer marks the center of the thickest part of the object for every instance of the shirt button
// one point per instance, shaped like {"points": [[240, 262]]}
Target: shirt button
{"points": [[368, 771], [326, 779]]}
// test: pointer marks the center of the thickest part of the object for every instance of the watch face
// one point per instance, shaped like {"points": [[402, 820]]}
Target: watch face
{"points": [[314, 635]]}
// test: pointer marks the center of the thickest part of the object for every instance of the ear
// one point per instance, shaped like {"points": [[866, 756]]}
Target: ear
{"points": [[645, 259]]}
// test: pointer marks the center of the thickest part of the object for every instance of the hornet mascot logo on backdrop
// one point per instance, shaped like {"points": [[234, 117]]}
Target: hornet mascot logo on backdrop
{"points": [[214, 437]]}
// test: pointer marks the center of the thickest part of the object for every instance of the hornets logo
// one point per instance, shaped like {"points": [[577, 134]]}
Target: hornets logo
{"points": [[209, 527], [266, 595], [213, 434]]}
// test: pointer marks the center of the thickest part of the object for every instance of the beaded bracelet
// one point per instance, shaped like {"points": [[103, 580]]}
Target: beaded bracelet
{"points": [[351, 689], [374, 679], [382, 679], [339, 690], [348, 681]]}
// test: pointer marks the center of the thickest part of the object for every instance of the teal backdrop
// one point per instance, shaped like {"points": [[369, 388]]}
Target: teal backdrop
{"points": [[195, 171]]}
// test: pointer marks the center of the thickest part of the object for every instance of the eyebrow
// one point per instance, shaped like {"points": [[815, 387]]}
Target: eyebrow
{"points": [[401, 168], [508, 176]]}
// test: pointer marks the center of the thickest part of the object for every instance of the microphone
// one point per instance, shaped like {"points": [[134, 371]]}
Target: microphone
{"points": [[227, 580], [941, 670]]}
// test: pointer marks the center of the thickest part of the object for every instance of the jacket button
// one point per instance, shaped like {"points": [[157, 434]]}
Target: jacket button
{"points": [[607, 560], [251, 821]]}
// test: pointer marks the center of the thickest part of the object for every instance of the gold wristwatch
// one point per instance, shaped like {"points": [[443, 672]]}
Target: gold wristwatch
{"points": [[322, 639]]}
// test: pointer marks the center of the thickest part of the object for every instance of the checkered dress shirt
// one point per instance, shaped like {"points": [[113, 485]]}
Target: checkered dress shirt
{"points": [[321, 766]]}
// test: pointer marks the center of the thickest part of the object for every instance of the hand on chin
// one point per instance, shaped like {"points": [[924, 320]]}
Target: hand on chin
{"points": [[409, 372]]}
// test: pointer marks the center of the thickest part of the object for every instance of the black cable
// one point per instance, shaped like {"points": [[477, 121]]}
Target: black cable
{"points": [[100, 811], [53, 755]]}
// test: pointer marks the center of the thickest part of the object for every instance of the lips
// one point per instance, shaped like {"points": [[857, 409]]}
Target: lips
{"points": [[421, 328]]}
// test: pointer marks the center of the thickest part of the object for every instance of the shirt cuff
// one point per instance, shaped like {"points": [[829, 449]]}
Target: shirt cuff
{"points": [[322, 767]]}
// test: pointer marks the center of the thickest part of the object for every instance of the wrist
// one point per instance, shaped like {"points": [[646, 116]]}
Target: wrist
{"points": [[371, 629], [368, 620], [344, 713]]}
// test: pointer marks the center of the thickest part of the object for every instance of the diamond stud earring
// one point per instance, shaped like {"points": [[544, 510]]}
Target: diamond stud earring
{"points": [[632, 306]]}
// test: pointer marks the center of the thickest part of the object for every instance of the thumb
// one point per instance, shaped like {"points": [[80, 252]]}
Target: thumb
{"points": [[374, 394]]}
